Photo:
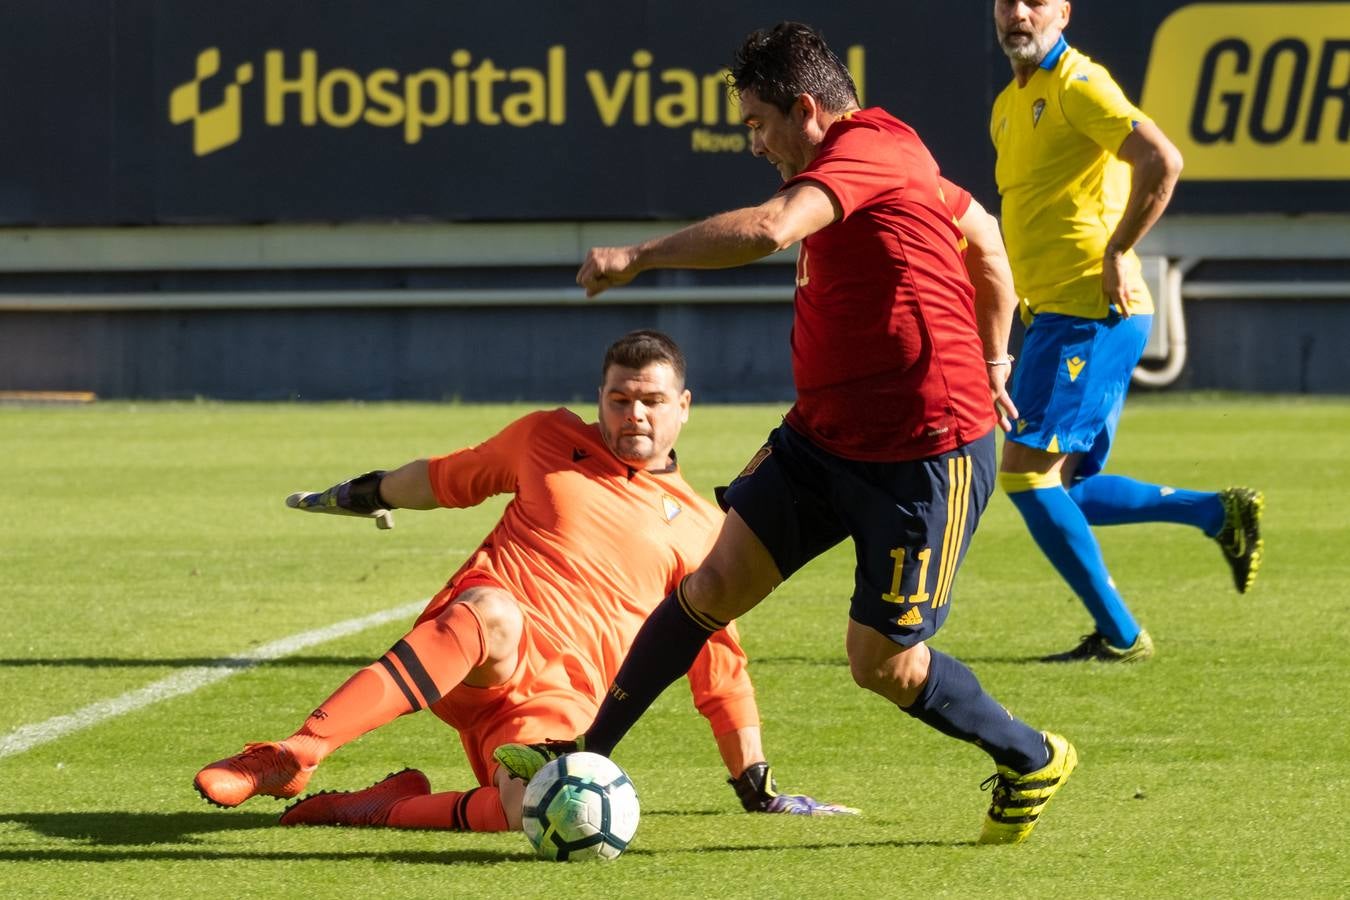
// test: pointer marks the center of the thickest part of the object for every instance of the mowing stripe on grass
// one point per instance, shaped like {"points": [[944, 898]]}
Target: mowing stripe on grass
{"points": [[188, 680]]}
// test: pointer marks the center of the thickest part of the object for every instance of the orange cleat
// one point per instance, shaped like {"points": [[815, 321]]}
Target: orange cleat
{"points": [[262, 768], [357, 809]]}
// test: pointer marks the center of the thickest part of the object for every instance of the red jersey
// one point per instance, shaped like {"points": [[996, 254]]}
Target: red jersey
{"points": [[955, 198], [886, 356], [589, 546]]}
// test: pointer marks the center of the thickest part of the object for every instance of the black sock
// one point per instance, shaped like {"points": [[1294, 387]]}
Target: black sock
{"points": [[953, 702], [662, 652]]}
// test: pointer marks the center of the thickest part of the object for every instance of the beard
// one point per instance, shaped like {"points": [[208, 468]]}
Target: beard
{"points": [[1022, 48]]}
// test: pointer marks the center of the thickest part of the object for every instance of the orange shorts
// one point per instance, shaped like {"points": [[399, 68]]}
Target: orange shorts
{"points": [[553, 692]]}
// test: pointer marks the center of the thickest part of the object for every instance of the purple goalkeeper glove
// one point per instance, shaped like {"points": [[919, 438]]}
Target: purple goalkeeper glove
{"points": [[758, 793]]}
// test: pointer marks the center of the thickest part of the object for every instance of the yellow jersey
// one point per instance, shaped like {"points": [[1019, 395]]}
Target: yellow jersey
{"points": [[1063, 187]]}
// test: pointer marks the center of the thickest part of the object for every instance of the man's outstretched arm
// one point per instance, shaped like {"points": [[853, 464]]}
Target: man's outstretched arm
{"points": [[409, 487], [373, 494], [720, 242]]}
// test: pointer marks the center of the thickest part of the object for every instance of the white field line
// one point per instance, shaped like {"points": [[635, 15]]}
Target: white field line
{"points": [[186, 681]]}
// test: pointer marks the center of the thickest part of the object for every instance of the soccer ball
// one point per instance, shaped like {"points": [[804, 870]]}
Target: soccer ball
{"points": [[580, 806]]}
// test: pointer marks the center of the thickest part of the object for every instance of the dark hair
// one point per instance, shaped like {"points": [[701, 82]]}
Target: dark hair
{"points": [[639, 349], [781, 63]]}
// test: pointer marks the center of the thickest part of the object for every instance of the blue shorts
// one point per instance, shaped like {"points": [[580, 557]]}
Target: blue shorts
{"points": [[1071, 381], [911, 522]]}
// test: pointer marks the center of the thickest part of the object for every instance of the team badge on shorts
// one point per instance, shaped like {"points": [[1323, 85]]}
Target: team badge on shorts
{"points": [[755, 461]]}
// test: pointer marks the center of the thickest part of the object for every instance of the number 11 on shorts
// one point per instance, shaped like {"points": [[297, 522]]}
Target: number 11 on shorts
{"points": [[919, 596]]}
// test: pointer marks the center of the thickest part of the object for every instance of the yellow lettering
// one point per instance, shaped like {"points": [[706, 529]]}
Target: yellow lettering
{"points": [[893, 595], [356, 98], [642, 88], [680, 107], [485, 77], [459, 105], [298, 91], [716, 92], [278, 86], [609, 101], [417, 117], [921, 595], [528, 106], [557, 85], [701, 140], [384, 108]]}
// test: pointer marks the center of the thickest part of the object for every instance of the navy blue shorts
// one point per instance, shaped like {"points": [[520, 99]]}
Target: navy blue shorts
{"points": [[911, 522]]}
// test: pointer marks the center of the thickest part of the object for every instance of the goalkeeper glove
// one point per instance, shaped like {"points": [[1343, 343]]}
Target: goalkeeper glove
{"points": [[758, 792], [358, 496]]}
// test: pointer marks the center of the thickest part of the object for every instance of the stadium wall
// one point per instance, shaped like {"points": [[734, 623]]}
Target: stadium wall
{"points": [[255, 201], [737, 352]]}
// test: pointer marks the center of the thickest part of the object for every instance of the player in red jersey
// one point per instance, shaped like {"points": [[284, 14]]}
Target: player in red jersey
{"points": [[896, 354], [526, 636]]}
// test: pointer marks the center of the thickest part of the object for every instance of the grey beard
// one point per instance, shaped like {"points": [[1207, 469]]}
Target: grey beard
{"points": [[1025, 52]]}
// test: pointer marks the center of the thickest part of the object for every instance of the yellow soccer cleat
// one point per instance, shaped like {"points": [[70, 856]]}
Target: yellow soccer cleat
{"points": [[1095, 648], [1019, 799], [524, 760], [1240, 537]]}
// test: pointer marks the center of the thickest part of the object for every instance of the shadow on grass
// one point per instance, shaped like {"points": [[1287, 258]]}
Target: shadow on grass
{"points": [[423, 857], [120, 836], [771, 660], [124, 828], [976, 659], [111, 662], [841, 662], [359, 662]]}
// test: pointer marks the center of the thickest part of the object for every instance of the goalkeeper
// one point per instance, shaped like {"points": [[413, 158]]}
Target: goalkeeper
{"points": [[527, 635]]}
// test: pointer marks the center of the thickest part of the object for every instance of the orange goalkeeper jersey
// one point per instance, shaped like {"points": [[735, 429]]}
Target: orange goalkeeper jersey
{"points": [[589, 546]]}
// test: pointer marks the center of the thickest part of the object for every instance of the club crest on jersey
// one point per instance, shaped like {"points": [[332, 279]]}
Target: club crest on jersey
{"points": [[1036, 109], [670, 507]]}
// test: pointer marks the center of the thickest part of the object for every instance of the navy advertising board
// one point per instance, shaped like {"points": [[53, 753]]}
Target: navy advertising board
{"points": [[249, 111]]}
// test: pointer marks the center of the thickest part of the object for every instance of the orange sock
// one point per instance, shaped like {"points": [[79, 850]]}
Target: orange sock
{"points": [[429, 661], [476, 810]]}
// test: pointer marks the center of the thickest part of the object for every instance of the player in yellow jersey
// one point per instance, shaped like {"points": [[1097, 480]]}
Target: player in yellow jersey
{"points": [[526, 636], [1084, 175]]}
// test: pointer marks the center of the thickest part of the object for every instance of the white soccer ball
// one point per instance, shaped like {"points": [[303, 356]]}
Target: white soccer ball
{"points": [[580, 806]]}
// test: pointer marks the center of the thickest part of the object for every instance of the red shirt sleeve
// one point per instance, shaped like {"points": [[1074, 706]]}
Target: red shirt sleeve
{"points": [[955, 197]]}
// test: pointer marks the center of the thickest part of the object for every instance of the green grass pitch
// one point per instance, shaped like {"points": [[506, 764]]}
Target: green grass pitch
{"points": [[141, 540]]}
